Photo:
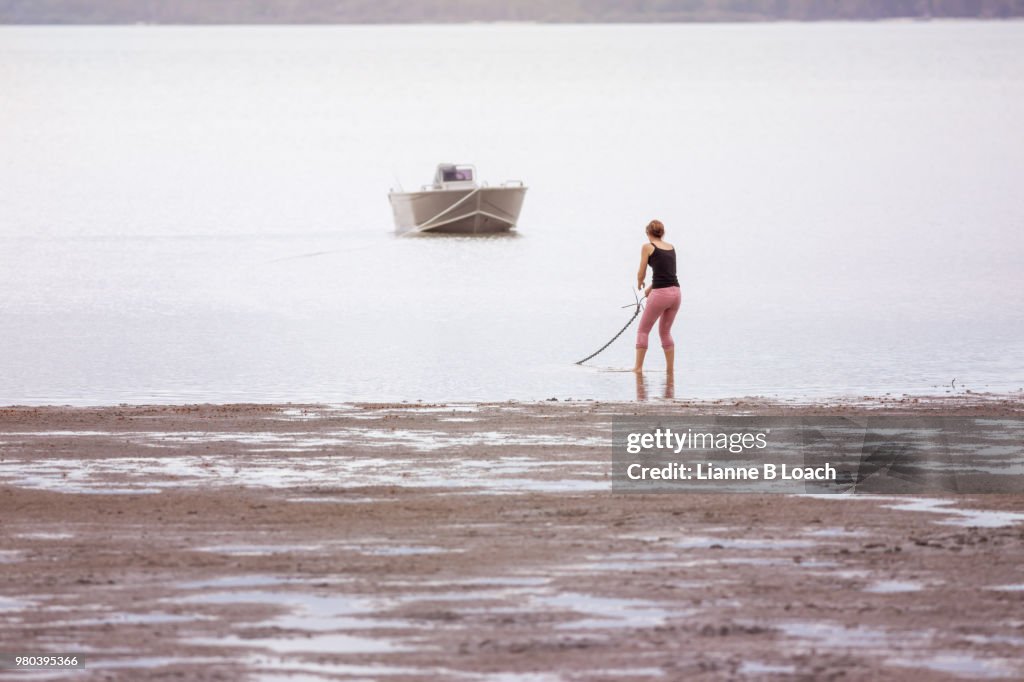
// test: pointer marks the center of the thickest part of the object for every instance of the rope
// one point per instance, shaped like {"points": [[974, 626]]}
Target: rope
{"points": [[636, 313]]}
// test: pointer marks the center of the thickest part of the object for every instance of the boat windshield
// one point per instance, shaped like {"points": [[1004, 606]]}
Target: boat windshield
{"points": [[457, 174]]}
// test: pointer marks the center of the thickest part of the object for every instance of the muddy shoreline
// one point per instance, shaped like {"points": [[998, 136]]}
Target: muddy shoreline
{"points": [[417, 541]]}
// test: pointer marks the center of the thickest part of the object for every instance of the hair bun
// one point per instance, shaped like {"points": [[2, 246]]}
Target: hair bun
{"points": [[656, 229]]}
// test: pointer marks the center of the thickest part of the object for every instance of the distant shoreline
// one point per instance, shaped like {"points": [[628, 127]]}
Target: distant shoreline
{"points": [[373, 12], [524, 22]]}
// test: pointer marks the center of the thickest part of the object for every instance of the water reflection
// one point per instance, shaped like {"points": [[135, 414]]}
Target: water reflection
{"points": [[641, 387], [460, 236], [669, 392]]}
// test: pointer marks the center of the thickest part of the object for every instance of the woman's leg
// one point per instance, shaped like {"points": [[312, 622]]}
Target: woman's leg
{"points": [[638, 365], [665, 330], [655, 305]]}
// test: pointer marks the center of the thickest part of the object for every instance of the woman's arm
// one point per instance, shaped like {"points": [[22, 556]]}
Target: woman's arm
{"points": [[645, 252]]}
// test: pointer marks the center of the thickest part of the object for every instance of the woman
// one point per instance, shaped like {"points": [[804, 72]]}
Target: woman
{"points": [[663, 295]]}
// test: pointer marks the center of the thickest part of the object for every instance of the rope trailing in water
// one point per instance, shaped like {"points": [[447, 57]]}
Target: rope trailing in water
{"points": [[636, 314]]}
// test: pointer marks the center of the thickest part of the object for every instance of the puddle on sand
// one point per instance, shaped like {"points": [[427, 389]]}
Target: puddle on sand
{"points": [[816, 563], [834, 532], [238, 581], [311, 622], [281, 669], [845, 573], [606, 612], [521, 677], [624, 673], [264, 469], [524, 581], [341, 500], [1007, 588], [304, 611], [271, 668], [399, 550], [472, 595], [759, 668], [982, 518], [290, 676], [601, 674], [11, 604], [148, 662], [994, 639], [471, 583], [833, 634], [757, 561], [893, 586], [426, 409], [257, 550], [570, 569], [45, 536], [588, 611], [741, 543], [154, 618], [962, 665], [332, 643], [302, 414], [840, 637], [10, 556]]}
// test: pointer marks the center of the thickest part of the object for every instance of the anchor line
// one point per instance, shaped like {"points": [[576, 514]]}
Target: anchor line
{"points": [[636, 313]]}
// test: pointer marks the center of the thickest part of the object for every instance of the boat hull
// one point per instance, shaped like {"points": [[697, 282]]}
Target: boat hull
{"points": [[479, 210]]}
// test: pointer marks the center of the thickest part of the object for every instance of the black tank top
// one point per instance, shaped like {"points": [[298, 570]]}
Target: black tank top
{"points": [[664, 264]]}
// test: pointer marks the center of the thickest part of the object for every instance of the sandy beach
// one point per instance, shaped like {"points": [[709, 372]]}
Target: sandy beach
{"points": [[476, 542]]}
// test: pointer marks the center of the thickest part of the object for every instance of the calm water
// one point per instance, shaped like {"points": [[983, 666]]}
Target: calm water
{"points": [[201, 213]]}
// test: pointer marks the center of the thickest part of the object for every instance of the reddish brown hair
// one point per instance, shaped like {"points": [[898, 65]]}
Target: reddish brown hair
{"points": [[656, 229]]}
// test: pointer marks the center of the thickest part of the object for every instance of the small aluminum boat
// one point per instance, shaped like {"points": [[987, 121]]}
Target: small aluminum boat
{"points": [[456, 203]]}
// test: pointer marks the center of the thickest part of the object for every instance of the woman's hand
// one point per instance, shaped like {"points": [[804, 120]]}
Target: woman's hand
{"points": [[647, 291], [639, 284]]}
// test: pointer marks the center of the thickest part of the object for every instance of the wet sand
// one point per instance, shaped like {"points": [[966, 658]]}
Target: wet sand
{"points": [[476, 542]]}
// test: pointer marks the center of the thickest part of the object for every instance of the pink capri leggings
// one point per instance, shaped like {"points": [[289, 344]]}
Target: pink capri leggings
{"points": [[661, 303]]}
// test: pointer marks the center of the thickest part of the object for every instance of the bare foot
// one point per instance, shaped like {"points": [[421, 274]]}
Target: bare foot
{"points": [[638, 370]]}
